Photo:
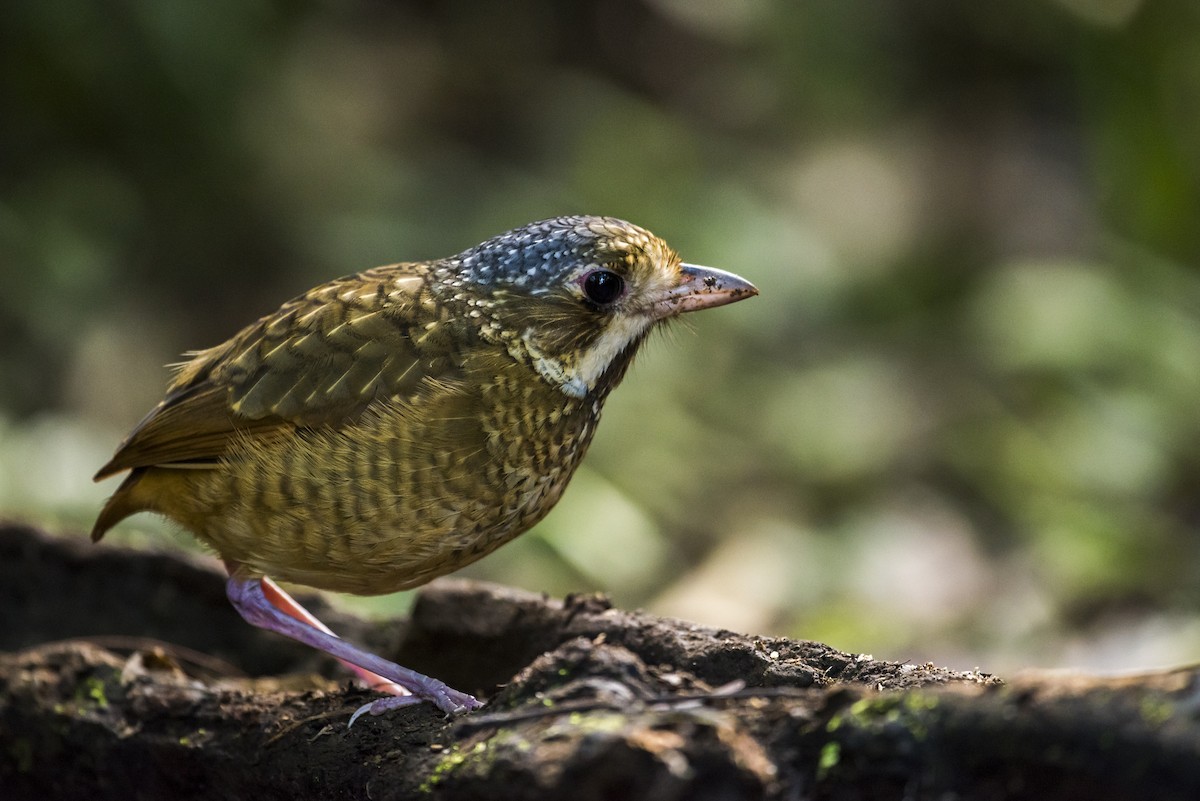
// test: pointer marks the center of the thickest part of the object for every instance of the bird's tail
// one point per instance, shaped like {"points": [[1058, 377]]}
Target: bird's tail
{"points": [[121, 505]]}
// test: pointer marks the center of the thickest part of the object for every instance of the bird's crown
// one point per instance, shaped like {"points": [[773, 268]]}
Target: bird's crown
{"points": [[537, 257]]}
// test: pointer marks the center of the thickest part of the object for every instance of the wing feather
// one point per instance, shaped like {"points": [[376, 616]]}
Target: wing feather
{"points": [[321, 359]]}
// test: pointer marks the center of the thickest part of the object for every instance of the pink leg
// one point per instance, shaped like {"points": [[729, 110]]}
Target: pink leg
{"points": [[249, 597], [290, 606]]}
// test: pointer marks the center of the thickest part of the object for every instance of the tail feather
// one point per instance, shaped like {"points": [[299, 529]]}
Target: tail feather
{"points": [[120, 506]]}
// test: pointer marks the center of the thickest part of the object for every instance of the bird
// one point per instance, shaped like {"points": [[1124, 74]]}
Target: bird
{"points": [[394, 425]]}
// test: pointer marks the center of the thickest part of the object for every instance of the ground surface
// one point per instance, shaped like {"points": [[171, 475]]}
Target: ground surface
{"points": [[127, 675]]}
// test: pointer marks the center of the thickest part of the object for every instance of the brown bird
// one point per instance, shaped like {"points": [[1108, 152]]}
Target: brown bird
{"points": [[395, 425]]}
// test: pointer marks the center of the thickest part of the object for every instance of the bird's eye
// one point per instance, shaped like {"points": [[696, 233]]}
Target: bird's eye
{"points": [[602, 287]]}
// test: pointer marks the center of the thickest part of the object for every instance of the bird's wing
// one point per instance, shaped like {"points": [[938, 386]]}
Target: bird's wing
{"points": [[321, 359]]}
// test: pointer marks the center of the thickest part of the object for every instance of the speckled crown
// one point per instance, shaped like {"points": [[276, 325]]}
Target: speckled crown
{"points": [[536, 254]]}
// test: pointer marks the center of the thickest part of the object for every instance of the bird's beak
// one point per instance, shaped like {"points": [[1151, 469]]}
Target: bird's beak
{"points": [[703, 288]]}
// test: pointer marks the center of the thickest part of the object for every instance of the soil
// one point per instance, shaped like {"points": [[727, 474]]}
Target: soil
{"points": [[126, 674]]}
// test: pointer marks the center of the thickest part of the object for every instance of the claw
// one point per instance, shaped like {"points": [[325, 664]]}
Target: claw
{"points": [[381, 705], [452, 702]]}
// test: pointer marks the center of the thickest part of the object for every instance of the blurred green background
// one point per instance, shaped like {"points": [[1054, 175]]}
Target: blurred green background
{"points": [[960, 423]]}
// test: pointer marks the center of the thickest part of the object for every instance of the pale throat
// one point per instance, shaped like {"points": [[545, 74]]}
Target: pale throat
{"points": [[578, 377]]}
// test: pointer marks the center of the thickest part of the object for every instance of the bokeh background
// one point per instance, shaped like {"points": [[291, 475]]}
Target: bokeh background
{"points": [[962, 421]]}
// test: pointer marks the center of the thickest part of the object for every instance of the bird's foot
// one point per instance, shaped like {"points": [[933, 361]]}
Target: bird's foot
{"points": [[416, 688], [448, 700]]}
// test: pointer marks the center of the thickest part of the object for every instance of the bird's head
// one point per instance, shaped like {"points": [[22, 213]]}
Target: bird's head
{"points": [[575, 296]]}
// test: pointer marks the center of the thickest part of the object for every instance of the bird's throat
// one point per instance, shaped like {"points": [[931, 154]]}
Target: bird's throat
{"points": [[581, 372]]}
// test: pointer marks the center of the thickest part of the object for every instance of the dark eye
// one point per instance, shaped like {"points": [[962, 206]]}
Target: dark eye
{"points": [[602, 287]]}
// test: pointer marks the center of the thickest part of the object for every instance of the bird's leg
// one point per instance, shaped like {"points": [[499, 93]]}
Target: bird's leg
{"points": [[249, 598], [285, 603]]}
